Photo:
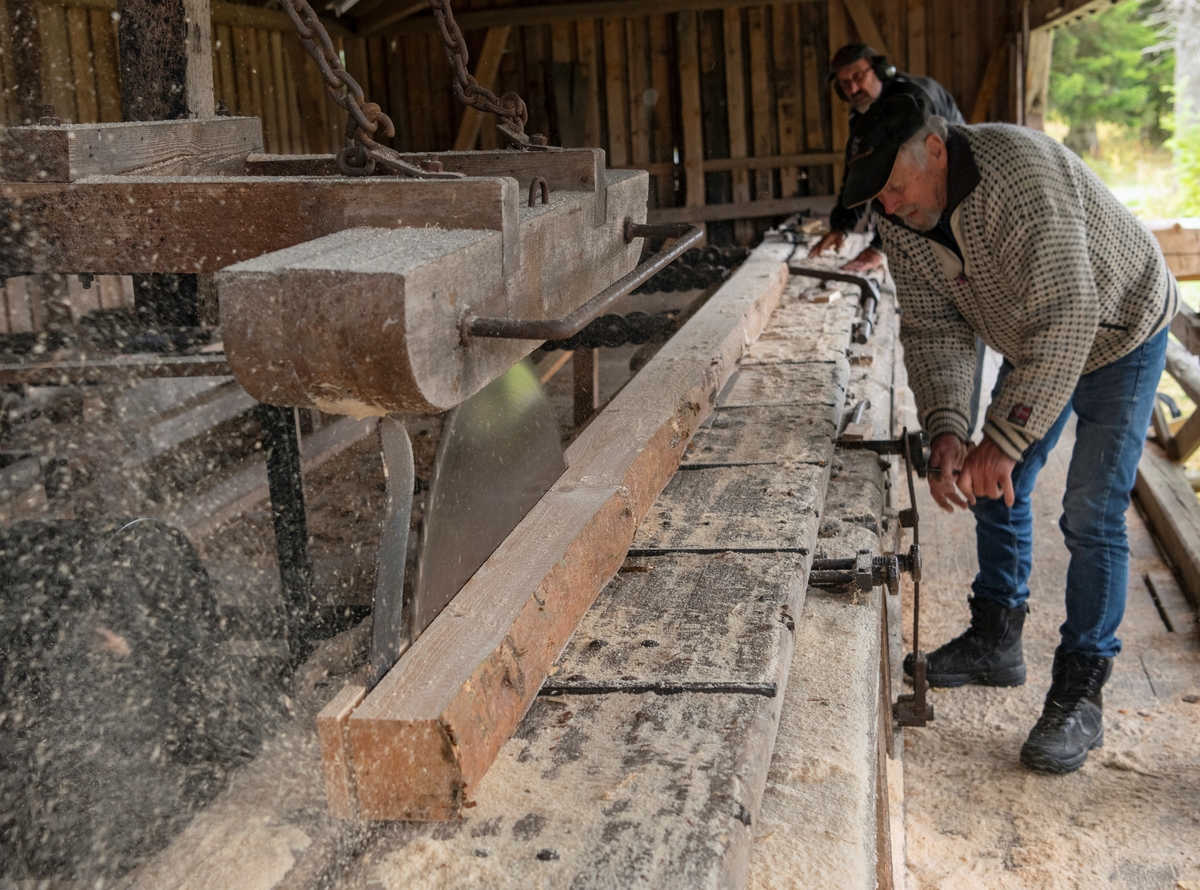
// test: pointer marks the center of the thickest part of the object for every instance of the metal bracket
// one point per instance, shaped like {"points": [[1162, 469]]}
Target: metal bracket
{"points": [[868, 299], [685, 236], [917, 444], [864, 571]]}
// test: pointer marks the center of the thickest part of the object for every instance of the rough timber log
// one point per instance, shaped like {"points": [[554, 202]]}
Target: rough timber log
{"points": [[419, 744]]}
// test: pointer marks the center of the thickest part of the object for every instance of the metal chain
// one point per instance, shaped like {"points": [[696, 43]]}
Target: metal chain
{"points": [[510, 107], [362, 153]]}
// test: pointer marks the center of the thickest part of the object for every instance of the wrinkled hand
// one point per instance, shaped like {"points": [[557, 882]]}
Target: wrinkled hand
{"points": [[866, 261], [833, 241], [947, 453], [987, 473]]}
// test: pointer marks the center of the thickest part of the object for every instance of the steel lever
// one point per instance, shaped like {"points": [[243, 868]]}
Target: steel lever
{"points": [[568, 326], [868, 299], [917, 445]]}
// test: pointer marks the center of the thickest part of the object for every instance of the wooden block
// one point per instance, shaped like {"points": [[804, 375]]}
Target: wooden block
{"points": [[786, 434], [426, 735], [366, 322], [71, 153], [750, 509], [333, 731], [856, 432], [815, 384], [687, 622], [166, 59], [1178, 614]]}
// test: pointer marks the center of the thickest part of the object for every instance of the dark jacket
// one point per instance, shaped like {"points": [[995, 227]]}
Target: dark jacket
{"points": [[923, 88]]}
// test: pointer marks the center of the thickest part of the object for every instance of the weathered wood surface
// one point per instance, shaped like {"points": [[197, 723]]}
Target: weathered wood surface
{"points": [[573, 169], [683, 622], [1171, 511], [753, 509], [810, 384], [426, 735], [121, 225], [735, 436], [367, 321], [174, 147], [1180, 243], [166, 59]]}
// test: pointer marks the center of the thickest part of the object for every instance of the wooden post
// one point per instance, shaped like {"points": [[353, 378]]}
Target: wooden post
{"points": [[735, 97], [916, 36], [166, 59], [839, 35], [1037, 78], [617, 99], [485, 72], [760, 98], [587, 384], [691, 108]]}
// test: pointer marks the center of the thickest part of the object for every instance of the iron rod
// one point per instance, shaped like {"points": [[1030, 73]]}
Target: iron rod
{"points": [[568, 326]]}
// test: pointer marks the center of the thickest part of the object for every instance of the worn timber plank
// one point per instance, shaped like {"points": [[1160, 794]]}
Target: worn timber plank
{"points": [[751, 509], [118, 225], [1171, 511], [824, 326], [183, 147], [686, 623], [763, 436], [428, 732], [809, 383]]}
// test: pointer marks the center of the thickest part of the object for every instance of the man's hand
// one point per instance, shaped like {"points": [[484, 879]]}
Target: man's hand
{"points": [[947, 453], [987, 473], [866, 261], [833, 241]]}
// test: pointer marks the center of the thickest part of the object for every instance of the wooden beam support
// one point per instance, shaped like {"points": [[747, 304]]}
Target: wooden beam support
{"points": [[166, 59], [485, 73], [996, 67], [1053, 13], [175, 147], [1181, 364], [427, 733], [864, 23], [547, 13], [586, 387], [1170, 508]]}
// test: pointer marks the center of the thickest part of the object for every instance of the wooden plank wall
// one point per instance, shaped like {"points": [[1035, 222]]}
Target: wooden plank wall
{"points": [[724, 106]]}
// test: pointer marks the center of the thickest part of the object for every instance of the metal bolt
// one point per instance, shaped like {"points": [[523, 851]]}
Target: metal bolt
{"points": [[49, 119], [86, 279], [431, 165], [222, 109], [538, 139]]}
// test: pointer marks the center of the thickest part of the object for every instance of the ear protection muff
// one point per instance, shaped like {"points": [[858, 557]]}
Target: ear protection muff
{"points": [[883, 69]]}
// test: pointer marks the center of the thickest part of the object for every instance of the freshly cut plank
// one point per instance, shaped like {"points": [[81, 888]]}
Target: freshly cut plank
{"points": [[425, 736]]}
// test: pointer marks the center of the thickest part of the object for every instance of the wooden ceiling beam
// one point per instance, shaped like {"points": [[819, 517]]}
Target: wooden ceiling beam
{"points": [[558, 12]]}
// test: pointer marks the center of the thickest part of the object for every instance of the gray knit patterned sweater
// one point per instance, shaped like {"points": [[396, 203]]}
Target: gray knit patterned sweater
{"points": [[1056, 275]]}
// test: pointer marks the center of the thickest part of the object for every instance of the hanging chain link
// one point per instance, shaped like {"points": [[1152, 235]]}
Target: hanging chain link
{"points": [[510, 107], [362, 152]]}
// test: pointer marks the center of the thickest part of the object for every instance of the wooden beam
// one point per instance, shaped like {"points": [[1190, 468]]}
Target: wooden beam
{"points": [[243, 16], [1185, 442], [616, 96], [839, 35], [1053, 13], [735, 100], [760, 98], [559, 12], [1182, 365], [485, 73], [1037, 78], [1180, 243], [690, 107], [788, 110], [166, 59], [996, 67], [181, 147], [586, 388], [427, 733], [1186, 328], [1171, 510], [916, 37], [864, 23]]}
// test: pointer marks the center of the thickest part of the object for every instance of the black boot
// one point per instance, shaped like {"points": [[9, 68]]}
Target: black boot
{"points": [[987, 654], [1071, 723]]}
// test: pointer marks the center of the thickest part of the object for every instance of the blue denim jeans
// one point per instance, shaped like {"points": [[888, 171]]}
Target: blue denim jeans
{"points": [[1113, 406]]}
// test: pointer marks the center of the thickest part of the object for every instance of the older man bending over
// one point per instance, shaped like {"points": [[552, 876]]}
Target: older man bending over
{"points": [[999, 231]]}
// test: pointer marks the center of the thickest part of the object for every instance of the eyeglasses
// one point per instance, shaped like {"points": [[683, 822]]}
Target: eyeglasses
{"points": [[853, 79]]}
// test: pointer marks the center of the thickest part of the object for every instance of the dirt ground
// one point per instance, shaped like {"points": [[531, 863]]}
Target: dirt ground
{"points": [[1130, 818]]}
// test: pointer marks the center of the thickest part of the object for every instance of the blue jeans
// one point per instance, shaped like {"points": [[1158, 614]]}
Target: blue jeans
{"points": [[1113, 405]]}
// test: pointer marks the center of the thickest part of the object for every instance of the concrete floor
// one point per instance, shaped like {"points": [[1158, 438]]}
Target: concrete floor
{"points": [[1130, 818]]}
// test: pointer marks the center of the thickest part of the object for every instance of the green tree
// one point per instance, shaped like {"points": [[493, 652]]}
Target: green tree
{"points": [[1112, 67]]}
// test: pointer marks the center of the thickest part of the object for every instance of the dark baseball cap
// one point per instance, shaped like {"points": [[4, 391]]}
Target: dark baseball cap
{"points": [[875, 140]]}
